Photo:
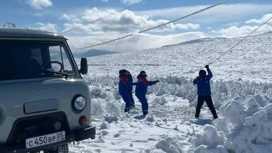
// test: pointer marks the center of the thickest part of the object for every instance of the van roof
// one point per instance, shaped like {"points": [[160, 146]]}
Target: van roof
{"points": [[28, 33]]}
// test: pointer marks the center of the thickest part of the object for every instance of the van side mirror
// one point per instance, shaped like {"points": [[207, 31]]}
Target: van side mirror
{"points": [[83, 66]]}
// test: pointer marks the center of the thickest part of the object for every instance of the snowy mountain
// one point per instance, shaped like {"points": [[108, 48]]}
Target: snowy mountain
{"points": [[251, 60], [241, 92], [93, 52], [197, 41]]}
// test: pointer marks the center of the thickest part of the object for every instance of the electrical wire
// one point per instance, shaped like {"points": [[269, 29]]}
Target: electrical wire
{"points": [[196, 12], [217, 59], [108, 41], [183, 17], [105, 16], [230, 49]]}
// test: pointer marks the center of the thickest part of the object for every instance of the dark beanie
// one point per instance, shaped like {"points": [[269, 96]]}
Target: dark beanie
{"points": [[122, 71], [142, 72]]}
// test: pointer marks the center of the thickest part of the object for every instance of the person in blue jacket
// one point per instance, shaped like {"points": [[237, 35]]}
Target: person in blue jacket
{"points": [[141, 90], [130, 89], [204, 91], [123, 88]]}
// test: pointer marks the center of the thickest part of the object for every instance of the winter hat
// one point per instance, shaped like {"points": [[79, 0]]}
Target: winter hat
{"points": [[202, 73], [122, 71], [142, 72], [126, 71]]}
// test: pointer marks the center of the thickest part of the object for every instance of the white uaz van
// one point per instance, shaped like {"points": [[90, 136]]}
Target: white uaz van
{"points": [[44, 101]]}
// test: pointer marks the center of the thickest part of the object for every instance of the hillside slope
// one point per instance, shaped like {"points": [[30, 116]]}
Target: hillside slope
{"points": [[244, 107], [251, 60]]}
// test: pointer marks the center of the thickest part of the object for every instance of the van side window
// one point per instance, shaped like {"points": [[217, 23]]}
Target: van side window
{"points": [[37, 55], [59, 59]]}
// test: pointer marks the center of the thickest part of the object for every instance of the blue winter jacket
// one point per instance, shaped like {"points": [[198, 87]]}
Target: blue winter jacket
{"points": [[130, 82], [142, 84], [123, 85], [203, 84]]}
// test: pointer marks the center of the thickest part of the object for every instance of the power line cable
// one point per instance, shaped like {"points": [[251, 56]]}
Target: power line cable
{"points": [[209, 7], [183, 17], [217, 59], [108, 41], [105, 16], [235, 45]]}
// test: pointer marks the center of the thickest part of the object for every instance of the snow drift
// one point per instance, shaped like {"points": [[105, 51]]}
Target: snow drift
{"points": [[241, 91]]}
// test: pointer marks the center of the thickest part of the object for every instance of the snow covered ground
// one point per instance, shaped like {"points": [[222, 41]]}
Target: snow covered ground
{"points": [[242, 95]]}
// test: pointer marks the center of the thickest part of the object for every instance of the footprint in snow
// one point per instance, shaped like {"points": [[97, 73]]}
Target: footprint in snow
{"points": [[201, 121], [140, 117]]}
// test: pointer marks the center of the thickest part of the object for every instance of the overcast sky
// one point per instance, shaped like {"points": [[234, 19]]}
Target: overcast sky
{"points": [[231, 19]]}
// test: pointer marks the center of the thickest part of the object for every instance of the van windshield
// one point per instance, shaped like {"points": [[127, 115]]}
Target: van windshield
{"points": [[34, 59]]}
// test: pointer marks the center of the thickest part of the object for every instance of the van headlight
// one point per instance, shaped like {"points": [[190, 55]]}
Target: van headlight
{"points": [[79, 103]]}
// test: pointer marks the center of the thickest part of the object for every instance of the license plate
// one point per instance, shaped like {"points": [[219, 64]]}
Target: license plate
{"points": [[45, 139]]}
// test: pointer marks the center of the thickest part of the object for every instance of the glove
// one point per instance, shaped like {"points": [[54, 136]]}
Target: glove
{"points": [[157, 81], [207, 66]]}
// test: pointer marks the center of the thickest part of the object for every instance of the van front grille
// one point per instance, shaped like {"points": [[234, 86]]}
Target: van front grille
{"points": [[34, 126]]}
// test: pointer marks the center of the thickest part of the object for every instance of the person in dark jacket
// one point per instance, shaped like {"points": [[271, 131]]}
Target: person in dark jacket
{"points": [[204, 91], [130, 88], [141, 90], [123, 88]]}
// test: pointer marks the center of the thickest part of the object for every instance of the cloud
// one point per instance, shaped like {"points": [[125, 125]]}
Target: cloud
{"points": [[105, 0], [135, 42], [131, 2], [39, 4], [37, 14], [214, 15], [70, 18], [80, 28], [262, 20], [118, 24], [113, 24], [47, 27], [128, 22], [235, 31], [188, 26]]}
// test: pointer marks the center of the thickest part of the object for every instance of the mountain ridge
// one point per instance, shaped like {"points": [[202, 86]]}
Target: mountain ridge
{"points": [[94, 52]]}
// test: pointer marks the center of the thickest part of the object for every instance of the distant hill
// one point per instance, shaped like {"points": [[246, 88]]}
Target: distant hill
{"points": [[94, 52], [250, 60], [197, 41], [209, 40]]}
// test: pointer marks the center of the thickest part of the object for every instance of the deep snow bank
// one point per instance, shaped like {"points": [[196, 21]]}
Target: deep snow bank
{"points": [[222, 91], [244, 108], [245, 123]]}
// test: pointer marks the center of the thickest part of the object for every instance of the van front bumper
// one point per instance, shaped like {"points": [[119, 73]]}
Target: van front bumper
{"points": [[77, 135]]}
